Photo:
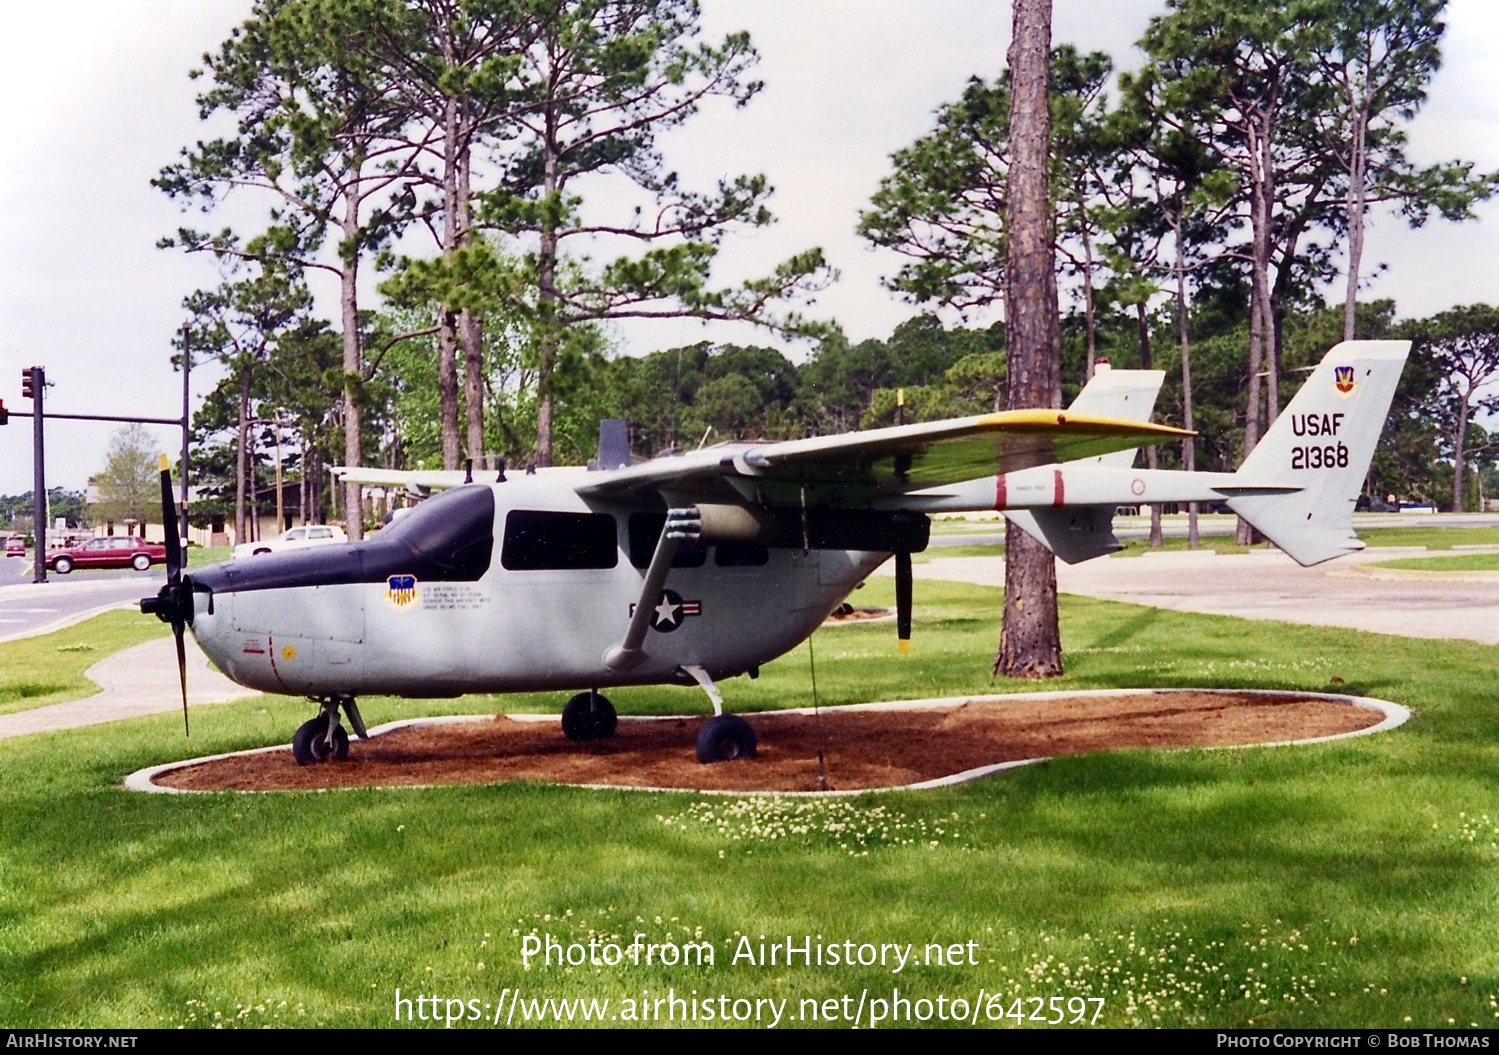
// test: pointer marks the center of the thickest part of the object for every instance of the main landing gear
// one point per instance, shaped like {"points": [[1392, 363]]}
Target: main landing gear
{"points": [[724, 737], [588, 716], [323, 738]]}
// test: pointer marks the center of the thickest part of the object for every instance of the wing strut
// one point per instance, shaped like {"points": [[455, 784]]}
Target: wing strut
{"points": [[681, 525]]}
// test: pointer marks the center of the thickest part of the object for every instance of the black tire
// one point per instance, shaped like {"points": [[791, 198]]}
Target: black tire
{"points": [[62, 565], [259, 552], [588, 716], [140, 562], [725, 738], [309, 745]]}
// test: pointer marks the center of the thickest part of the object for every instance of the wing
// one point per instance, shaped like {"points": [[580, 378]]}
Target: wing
{"points": [[418, 481], [885, 463]]}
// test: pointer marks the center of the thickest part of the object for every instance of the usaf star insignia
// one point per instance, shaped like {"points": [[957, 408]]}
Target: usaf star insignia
{"points": [[670, 611]]}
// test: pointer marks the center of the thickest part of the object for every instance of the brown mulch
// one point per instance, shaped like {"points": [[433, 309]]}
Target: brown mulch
{"points": [[861, 748]]}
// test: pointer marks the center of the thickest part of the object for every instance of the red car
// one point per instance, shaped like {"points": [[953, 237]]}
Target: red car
{"points": [[118, 551], [15, 546]]}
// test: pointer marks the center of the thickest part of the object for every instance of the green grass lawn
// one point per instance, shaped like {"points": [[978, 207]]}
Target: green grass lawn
{"points": [[1350, 883], [1453, 562], [37, 671]]}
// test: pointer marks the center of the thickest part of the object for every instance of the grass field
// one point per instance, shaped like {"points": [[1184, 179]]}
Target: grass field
{"points": [[38, 671], [1351, 883], [1451, 562], [1430, 536]]}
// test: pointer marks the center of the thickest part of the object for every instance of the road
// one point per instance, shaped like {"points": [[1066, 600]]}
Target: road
{"points": [[28, 608]]}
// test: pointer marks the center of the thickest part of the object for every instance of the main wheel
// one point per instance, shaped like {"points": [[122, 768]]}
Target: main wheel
{"points": [[588, 716], [309, 745], [140, 562], [62, 565], [724, 739]]}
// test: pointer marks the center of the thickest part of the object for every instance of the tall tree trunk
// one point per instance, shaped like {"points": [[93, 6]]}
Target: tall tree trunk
{"points": [[470, 334], [1152, 458], [1259, 222], [353, 368], [1030, 638], [241, 455], [1358, 148], [1090, 311], [1459, 461], [547, 345], [1189, 448], [447, 334]]}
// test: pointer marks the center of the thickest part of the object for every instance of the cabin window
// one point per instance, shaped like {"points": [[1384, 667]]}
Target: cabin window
{"points": [[645, 530], [740, 555], [545, 540]]}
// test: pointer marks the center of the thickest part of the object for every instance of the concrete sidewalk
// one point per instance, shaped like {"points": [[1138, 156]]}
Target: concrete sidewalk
{"points": [[1459, 606], [137, 681]]}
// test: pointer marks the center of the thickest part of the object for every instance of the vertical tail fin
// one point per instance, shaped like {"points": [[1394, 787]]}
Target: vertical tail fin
{"points": [[1125, 394], [1319, 449]]}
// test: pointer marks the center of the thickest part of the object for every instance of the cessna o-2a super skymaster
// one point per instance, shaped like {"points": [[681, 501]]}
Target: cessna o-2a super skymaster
{"points": [[703, 566]]}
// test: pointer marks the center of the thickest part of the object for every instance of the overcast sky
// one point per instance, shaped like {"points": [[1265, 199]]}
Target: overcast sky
{"points": [[100, 100]]}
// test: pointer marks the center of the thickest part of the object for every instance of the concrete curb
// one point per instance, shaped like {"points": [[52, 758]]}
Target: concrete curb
{"points": [[1394, 716]]}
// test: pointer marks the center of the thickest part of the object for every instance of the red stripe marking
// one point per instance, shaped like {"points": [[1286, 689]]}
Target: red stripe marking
{"points": [[999, 492], [1057, 491]]}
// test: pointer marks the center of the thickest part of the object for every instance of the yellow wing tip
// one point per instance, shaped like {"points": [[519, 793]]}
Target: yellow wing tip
{"points": [[163, 463], [1046, 418]]}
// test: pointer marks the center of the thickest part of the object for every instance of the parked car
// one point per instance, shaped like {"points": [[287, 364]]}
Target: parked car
{"points": [[296, 538], [15, 546], [116, 551]]}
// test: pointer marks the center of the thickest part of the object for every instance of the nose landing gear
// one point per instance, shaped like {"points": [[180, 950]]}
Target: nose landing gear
{"points": [[323, 738]]}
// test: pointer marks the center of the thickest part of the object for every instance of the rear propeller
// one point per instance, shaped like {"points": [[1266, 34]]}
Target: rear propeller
{"points": [[174, 602]]}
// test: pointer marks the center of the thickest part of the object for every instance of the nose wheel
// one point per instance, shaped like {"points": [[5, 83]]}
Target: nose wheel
{"points": [[313, 742], [323, 738]]}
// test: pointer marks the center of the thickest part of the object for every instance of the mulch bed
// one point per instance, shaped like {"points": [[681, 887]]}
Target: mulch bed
{"points": [[861, 748]]}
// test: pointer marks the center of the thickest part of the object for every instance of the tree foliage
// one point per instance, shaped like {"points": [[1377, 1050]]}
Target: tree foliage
{"points": [[128, 486]]}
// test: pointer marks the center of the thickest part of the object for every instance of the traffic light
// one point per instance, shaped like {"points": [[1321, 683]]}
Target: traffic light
{"points": [[4, 414], [28, 379]]}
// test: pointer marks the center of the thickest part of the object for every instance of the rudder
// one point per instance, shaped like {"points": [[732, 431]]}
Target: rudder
{"points": [[1321, 445]]}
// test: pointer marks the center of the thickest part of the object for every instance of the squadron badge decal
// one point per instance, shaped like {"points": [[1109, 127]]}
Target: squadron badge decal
{"points": [[1342, 380], [401, 592]]}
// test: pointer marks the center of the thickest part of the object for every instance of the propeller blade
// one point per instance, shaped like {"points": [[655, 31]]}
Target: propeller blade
{"points": [[178, 631], [903, 599], [169, 524], [168, 605]]}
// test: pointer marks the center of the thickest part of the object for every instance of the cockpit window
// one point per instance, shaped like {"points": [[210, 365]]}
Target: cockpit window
{"points": [[452, 533]]}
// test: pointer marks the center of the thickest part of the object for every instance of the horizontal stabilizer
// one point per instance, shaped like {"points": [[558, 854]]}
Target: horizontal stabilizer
{"points": [[1075, 533]]}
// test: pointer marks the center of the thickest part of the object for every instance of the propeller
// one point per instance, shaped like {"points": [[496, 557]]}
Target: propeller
{"points": [[174, 603], [903, 599], [903, 557]]}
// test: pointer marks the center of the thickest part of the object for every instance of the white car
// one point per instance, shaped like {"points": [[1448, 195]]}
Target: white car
{"points": [[296, 538]]}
